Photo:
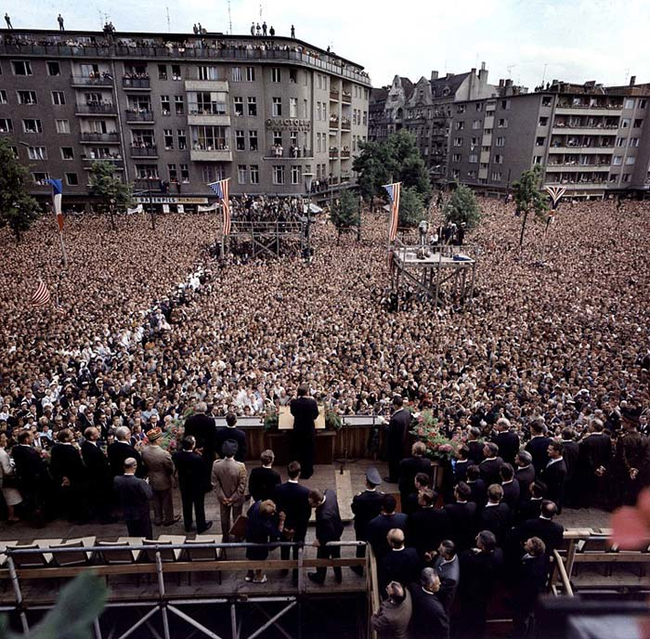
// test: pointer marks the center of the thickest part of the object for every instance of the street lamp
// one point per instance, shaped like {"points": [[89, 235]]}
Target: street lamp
{"points": [[309, 178]]}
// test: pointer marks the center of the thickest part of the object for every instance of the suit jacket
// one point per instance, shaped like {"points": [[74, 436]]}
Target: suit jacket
{"points": [[427, 527], [449, 573], [462, 518], [403, 566], [397, 433], [460, 470], [490, 470], [204, 430], [192, 478], [479, 574], [525, 476], [134, 495], [30, 467], [262, 483], [329, 526], [366, 506], [538, 448], [118, 452], [595, 451], [529, 510], [408, 469], [497, 519], [479, 492], [229, 479], [225, 433], [305, 412], [392, 620], [548, 531], [65, 461], [160, 467], [475, 451], [96, 463], [571, 455], [293, 499], [378, 528], [511, 494], [554, 476], [508, 443], [429, 617]]}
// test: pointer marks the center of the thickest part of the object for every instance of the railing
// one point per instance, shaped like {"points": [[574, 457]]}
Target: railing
{"points": [[334, 94], [135, 83], [334, 154], [144, 151], [118, 163], [152, 185], [288, 154], [346, 125], [264, 228], [139, 116], [99, 137], [615, 107], [334, 123], [84, 80], [96, 108], [345, 154], [346, 97]]}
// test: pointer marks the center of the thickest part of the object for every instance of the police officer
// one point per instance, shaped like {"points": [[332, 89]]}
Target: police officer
{"points": [[633, 453], [366, 505]]}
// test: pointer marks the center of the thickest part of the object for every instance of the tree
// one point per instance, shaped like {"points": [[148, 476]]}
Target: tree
{"points": [[411, 207], [108, 186], [370, 166], [463, 208], [345, 213], [529, 197], [18, 210]]}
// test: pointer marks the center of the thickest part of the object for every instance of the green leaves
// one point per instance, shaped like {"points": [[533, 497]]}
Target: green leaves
{"points": [[345, 213], [109, 188], [463, 208], [411, 207], [529, 197]]}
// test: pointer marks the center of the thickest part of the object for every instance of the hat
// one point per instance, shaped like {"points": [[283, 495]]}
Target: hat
{"points": [[373, 476], [154, 434], [230, 448]]}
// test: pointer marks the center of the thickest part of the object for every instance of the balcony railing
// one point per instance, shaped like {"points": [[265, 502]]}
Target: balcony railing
{"points": [[345, 124], [139, 116], [150, 151], [334, 95], [570, 105], [334, 123], [98, 109], [334, 154], [345, 154], [150, 185], [135, 83], [105, 80], [346, 97], [117, 162], [289, 154], [100, 137]]}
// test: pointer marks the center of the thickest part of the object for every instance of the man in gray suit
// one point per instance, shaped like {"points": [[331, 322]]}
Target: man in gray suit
{"points": [[229, 483], [134, 495], [392, 619], [160, 470]]}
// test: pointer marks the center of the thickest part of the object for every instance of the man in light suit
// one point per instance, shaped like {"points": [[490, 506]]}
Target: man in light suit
{"points": [[134, 496], [229, 483], [160, 471]]}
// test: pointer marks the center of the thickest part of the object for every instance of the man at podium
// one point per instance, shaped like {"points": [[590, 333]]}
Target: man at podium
{"points": [[302, 443]]}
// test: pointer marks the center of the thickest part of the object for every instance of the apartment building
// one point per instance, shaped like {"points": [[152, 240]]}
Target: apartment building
{"points": [[173, 112]]}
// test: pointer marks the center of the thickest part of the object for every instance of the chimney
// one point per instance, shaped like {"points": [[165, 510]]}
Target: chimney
{"points": [[483, 73], [501, 83], [473, 71], [434, 75], [632, 80], [508, 82]]}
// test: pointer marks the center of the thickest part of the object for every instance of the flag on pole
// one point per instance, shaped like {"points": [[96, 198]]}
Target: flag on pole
{"points": [[57, 196], [556, 193], [41, 296], [220, 189], [393, 191]]}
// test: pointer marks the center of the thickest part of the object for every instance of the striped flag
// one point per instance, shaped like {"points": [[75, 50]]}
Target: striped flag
{"points": [[393, 191], [41, 296], [220, 189], [57, 196], [556, 193]]}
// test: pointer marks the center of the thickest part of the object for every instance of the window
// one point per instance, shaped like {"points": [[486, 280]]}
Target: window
{"points": [[296, 175], [147, 171], [642, 104], [71, 179], [40, 178], [543, 121], [176, 72], [625, 123], [620, 142], [67, 153], [456, 157], [541, 141], [62, 126], [162, 71], [277, 138], [37, 153], [629, 104], [471, 174], [498, 159], [365, 118], [459, 126], [26, 97], [208, 73], [252, 141], [276, 74], [173, 175], [458, 141], [168, 137], [318, 111], [473, 158], [182, 139], [209, 138], [536, 160], [53, 68], [479, 107], [293, 107], [547, 101], [501, 141], [250, 74], [179, 103], [460, 108], [476, 124], [630, 160], [212, 173], [207, 103], [638, 123], [240, 143], [235, 74], [165, 105], [634, 142], [503, 123], [496, 176], [505, 104], [58, 98], [293, 75], [252, 107], [254, 174], [241, 174], [617, 160], [185, 173], [22, 67], [32, 126], [278, 174], [277, 107], [239, 106], [3, 96]]}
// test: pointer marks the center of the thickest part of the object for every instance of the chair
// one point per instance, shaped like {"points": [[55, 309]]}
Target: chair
{"points": [[118, 557], [31, 560], [204, 554], [75, 554], [167, 555]]}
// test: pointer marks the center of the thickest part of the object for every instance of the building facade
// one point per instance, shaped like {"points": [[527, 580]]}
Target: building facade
{"points": [[175, 112]]}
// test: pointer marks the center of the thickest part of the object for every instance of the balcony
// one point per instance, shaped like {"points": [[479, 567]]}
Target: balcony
{"points": [[88, 161], [211, 155], [334, 154], [108, 138], [138, 116], [105, 80], [334, 122], [208, 119], [206, 85], [583, 109], [577, 167], [584, 130], [289, 154], [345, 124], [346, 97], [345, 154], [95, 109], [581, 149], [148, 151], [136, 84], [150, 185], [334, 95]]}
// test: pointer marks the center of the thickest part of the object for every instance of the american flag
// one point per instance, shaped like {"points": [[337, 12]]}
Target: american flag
{"points": [[393, 191], [41, 296], [220, 189]]}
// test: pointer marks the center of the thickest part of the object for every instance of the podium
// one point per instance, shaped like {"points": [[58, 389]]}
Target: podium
{"points": [[279, 442]]}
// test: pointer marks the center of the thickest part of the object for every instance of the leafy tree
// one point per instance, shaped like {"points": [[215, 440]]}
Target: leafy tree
{"points": [[345, 213], [108, 186], [411, 207], [371, 169], [529, 197], [463, 208], [18, 210]]}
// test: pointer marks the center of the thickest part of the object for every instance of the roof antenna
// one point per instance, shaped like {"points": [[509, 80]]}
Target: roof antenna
{"points": [[169, 28], [229, 18]]}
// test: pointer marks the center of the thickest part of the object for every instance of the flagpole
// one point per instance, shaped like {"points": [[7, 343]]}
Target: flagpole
{"points": [[63, 252]]}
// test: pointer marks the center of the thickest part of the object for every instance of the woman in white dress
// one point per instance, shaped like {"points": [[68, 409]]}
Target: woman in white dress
{"points": [[7, 480]]}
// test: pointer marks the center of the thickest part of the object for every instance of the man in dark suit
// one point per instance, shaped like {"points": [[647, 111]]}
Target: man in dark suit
{"points": [[531, 508], [410, 502], [462, 517], [329, 527], [134, 495], [461, 465], [33, 477], [396, 438], [204, 431], [378, 528], [120, 450], [555, 474], [98, 475], [506, 440], [401, 564], [293, 499], [409, 468], [428, 525], [69, 474], [491, 464], [193, 484], [263, 480], [446, 564], [511, 490], [524, 474], [475, 445], [429, 617], [595, 468], [303, 436], [366, 505], [571, 454], [550, 532], [529, 582], [230, 431], [538, 445], [496, 515], [477, 486]]}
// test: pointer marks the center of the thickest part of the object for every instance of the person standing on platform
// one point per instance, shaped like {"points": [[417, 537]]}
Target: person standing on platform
{"points": [[366, 505], [229, 483], [633, 455], [329, 527], [262, 527], [99, 475], [230, 431], [134, 495], [409, 468], [396, 438], [303, 436], [263, 480], [392, 619], [160, 470], [121, 450], [204, 431], [69, 473], [595, 466], [192, 483]]}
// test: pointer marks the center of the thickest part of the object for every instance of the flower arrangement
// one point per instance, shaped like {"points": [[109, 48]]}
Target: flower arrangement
{"points": [[271, 419], [170, 441], [439, 447], [333, 420]]}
